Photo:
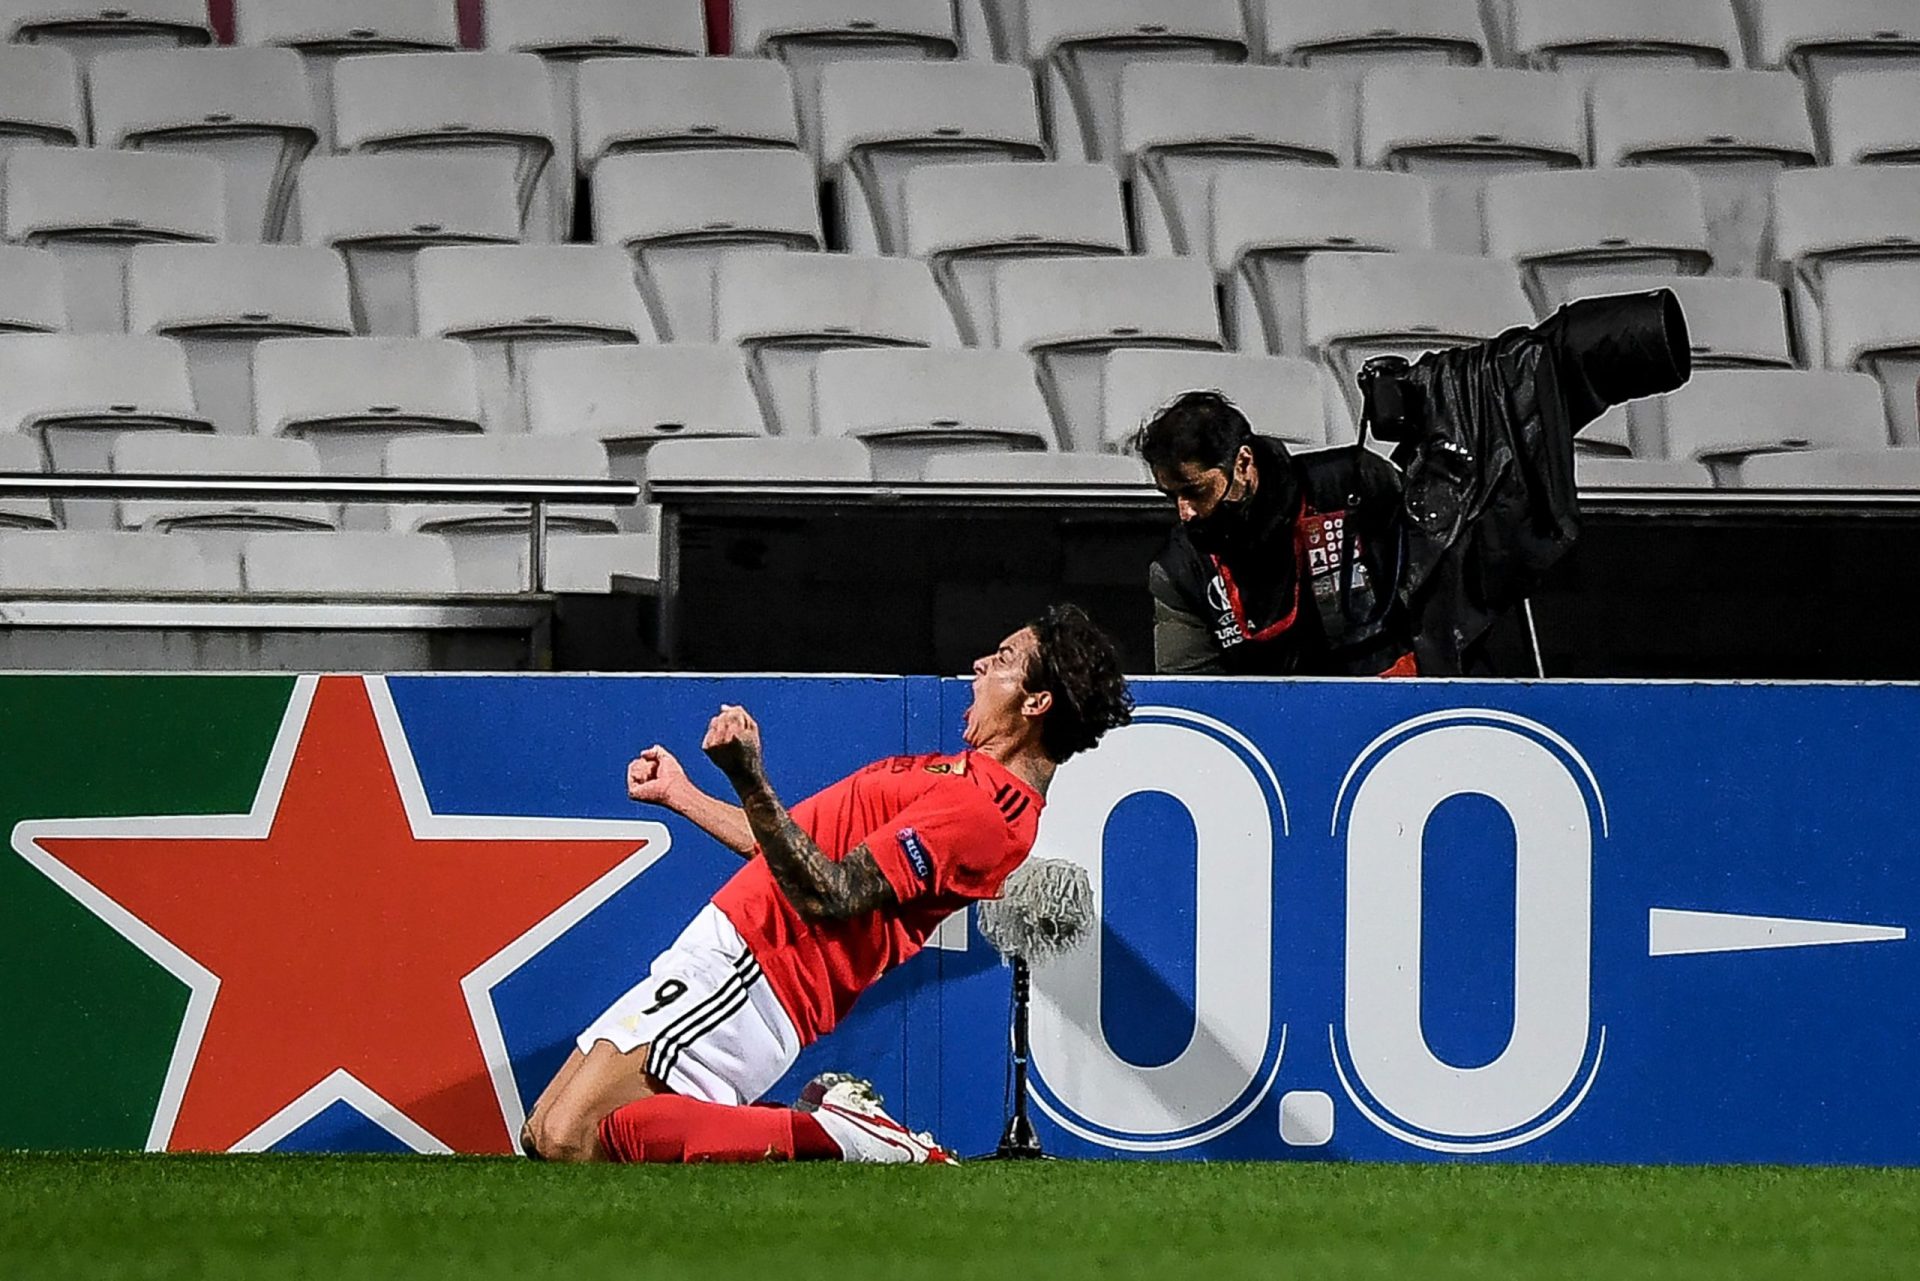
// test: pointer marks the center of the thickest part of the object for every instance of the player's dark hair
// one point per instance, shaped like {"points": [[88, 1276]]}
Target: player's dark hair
{"points": [[1200, 427], [1079, 665]]}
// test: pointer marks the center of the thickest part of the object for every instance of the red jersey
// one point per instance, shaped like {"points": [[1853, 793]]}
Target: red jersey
{"points": [[945, 830]]}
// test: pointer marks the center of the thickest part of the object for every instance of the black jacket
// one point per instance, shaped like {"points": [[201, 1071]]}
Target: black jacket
{"points": [[1483, 506]]}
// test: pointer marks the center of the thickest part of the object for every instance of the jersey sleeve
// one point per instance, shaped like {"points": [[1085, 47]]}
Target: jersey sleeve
{"points": [[951, 841]]}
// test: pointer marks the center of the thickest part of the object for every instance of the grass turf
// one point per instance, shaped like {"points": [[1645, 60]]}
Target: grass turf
{"points": [[267, 1217]]}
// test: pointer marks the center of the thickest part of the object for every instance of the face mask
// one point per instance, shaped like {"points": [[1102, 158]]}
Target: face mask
{"points": [[1222, 531]]}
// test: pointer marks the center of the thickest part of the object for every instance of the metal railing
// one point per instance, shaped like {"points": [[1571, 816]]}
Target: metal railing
{"points": [[537, 494]]}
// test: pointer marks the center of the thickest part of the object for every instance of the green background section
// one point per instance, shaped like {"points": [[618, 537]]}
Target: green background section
{"points": [[87, 1021]]}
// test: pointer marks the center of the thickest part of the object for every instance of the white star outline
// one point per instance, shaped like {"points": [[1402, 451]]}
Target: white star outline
{"points": [[651, 839]]}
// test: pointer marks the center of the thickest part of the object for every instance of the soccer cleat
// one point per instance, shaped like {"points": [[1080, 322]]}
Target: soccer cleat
{"points": [[849, 1110]]}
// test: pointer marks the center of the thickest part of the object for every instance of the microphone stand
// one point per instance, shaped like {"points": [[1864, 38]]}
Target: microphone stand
{"points": [[1018, 1142]]}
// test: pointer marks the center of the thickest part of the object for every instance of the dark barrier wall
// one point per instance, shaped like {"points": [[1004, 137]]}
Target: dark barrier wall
{"points": [[1340, 920]]}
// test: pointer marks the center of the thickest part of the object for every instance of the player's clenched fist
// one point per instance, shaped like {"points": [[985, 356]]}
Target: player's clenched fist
{"points": [[654, 777], [733, 743]]}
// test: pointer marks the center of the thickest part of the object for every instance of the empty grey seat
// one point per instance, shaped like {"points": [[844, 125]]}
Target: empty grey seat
{"points": [[1829, 223], [1735, 131], [33, 293], [92, 207], [784, 309], [220, 301], [352, 396], [909, 405], [1721, 416], [200, 454], [508, 301], [1265, 222], [1359, 35], [968, 221], [1458, 126], [380, 211], [40, 102], [1821, 41], [656, 104], [348, 564], [678, 213], [1558, 226], [1078, 49], [86, 30], [1873, 117], [249, 110], [1873, 324], [1574, 35], [1183, 124], [109, 563], [1863, 469]]}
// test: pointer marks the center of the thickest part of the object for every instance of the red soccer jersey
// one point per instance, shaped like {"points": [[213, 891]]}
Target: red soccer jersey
{"points": [[945, 830]]}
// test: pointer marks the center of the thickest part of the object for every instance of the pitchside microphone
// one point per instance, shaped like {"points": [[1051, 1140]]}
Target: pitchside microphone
{"points": [[1044, 910]]}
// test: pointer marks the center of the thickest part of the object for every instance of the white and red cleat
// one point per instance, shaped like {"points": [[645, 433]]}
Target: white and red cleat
{"points": [[849, 1110]]}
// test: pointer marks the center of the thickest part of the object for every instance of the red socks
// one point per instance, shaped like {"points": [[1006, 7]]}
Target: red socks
{"points": [[673, 1128]]}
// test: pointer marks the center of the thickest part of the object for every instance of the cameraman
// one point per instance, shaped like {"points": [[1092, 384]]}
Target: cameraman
{"points": [[1339, 563]]}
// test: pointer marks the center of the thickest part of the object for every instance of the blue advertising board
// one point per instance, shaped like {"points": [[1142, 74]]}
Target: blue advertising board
{"points": [[1368, 920]]}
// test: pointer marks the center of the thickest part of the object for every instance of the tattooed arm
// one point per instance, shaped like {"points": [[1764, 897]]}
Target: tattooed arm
{"points": [[820, 888]]}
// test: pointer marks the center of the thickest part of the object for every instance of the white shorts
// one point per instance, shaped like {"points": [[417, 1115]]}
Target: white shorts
{"points": [[715, 1028]]}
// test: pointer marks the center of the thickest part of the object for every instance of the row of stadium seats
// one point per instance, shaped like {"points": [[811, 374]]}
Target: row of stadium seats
{"points": [[1530, 32], [330, 564], [1172, 125]]}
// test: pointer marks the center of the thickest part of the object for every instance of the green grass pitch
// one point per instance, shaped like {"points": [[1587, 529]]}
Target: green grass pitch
{"points": [[259, 1218]]}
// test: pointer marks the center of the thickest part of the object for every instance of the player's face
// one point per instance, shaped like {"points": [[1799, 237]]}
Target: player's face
{"points": [[1000, 688]]}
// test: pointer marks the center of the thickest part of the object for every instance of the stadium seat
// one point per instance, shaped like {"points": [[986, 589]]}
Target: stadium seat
{"points": [[1873, 324], [1068, 313], [565, 33], [348, 564], [802, 32], [1833, 222], [1600, 471], [999, 467], [1569, 35], [1732, 322], [1721, 416], [911, 405], [91, 207], [1078, 49], [326, 33], [198, 454], [1281, 396], [249, 109], [352, 396], [109, 562], [87, 30], [487, 538], [631, 398], [33, 296], [1873, 117], [1734, 130], [1822, 41], [1866, 469], [219, 301], [1457, 126], [489, 103], [80, 392], [1266, 221], [1183, 123], [845, 461], [968, 221], [784, 309], [507, 301], [380, 211], [1363, 305], [1557, 226], [1358, 35], [878, 120], [21, 453], [677, 213], [656, 104], [40, 102], [588, 563]]}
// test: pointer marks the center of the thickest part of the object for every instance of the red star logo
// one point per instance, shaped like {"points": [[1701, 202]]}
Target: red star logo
{"points": [[340, 940]]}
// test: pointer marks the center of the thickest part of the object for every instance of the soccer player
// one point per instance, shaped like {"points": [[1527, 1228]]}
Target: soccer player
{"points": [[836, 892]]}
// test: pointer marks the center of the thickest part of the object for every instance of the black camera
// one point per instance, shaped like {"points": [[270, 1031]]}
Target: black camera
{"points": [[1391, 403]]}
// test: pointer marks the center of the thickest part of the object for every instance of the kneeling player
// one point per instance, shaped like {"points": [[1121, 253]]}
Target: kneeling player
{"points": [[835, 893]]}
